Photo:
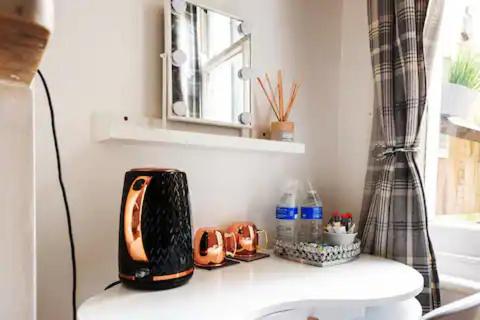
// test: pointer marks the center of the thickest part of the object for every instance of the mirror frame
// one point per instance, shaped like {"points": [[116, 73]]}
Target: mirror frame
{"points": [[169, 85]]}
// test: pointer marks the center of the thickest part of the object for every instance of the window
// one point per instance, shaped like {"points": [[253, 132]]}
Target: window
{"points": [[453, 130]]}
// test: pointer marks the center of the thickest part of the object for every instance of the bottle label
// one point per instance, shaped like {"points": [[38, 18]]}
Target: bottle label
{"points": [[310, 213], [287, 213]]}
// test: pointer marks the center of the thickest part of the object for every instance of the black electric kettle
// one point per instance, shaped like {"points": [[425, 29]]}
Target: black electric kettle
{"points": [[155, 236]]}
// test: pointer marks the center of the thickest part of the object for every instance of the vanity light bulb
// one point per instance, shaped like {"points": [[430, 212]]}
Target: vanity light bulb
{"points": [[244, 28], [179, 108], [178, 58], [179, 6], [245, 118], [245, 73]]}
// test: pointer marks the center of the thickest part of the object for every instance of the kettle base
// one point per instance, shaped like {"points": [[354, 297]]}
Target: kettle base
{"points": [[155, 285]]}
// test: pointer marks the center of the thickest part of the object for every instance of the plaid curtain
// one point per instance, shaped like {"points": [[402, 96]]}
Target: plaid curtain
{"points": [[393, 221]]}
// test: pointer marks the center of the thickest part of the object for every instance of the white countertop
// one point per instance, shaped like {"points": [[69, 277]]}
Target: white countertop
{"points": [[250, 290]]}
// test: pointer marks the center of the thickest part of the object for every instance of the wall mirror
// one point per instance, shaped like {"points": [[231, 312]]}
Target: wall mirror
{"points": [[209, 65]]}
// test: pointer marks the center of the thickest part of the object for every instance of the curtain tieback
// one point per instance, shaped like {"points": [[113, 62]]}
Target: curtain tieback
{"points": [[381, 152]]}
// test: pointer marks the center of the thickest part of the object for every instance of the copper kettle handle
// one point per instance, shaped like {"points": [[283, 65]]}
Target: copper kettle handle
{"points": [[231, 235], [266, 239], [132, 217]]}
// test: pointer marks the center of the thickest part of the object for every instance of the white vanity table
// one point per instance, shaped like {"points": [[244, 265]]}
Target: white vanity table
{"points": [[273, 289]]}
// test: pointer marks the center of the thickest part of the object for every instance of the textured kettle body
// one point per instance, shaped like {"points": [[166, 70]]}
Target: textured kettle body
{"points": [[155, 236]]}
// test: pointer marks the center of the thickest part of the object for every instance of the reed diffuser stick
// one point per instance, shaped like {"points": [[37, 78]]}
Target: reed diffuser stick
{"points": [[280, 94], [292, 91], [274, 95], [292, 100], [268, 98], [280, 107]]}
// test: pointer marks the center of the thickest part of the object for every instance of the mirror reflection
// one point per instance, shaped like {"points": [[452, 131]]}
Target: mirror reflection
{"points": [[209, 53]]}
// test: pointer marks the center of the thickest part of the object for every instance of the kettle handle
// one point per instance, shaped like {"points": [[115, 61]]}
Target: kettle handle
{"points": [[132, 218]]}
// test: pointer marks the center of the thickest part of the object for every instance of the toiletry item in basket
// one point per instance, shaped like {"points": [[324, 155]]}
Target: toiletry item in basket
{"points": [[286, 213], [311, 214], [340, 230], [340, 223]]}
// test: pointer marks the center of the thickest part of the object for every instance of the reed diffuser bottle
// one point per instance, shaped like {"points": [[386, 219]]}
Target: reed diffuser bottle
{"points": [[282, 129]]}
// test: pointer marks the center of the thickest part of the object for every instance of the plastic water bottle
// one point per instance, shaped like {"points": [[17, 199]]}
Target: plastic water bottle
{"points": [[287, 212], [311, 215]]}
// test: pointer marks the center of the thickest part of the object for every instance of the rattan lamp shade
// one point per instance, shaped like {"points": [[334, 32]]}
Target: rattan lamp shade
{"points": [[25, 27]]}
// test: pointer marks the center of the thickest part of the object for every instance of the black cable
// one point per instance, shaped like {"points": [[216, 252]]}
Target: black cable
{"points": [[113, 284], [65, 200]]}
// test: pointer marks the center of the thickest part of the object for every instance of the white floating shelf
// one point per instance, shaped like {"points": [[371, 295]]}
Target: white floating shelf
{"points": [[109, 128]]}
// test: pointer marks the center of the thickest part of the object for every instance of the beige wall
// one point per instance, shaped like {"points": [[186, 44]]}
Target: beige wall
{"points": [[355, 107], [17, 270], [104, 58]]}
